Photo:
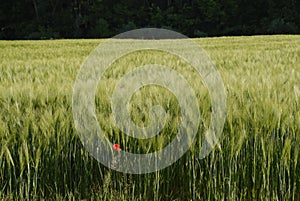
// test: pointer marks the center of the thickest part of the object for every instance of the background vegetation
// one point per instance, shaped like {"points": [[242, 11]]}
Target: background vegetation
{"points": [[43, 19], [41, 156]]}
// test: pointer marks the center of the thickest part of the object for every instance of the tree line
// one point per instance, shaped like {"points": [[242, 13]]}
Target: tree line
{"points": [[42, 19]]}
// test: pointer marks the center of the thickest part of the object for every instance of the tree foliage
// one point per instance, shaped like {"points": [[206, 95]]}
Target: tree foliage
{"points": [[38, 19]]}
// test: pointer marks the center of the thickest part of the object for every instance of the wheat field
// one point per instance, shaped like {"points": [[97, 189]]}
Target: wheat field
{"points": [[42, 157]]}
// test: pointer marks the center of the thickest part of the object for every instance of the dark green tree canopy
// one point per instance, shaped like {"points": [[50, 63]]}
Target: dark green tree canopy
{"points": [[42, 19]]}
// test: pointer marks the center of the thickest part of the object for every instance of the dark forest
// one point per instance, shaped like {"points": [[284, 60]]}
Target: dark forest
{"points": [[45, 19]]}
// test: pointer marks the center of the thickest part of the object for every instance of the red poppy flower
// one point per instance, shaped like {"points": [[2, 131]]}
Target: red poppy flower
{"points": [[116, 147]]}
